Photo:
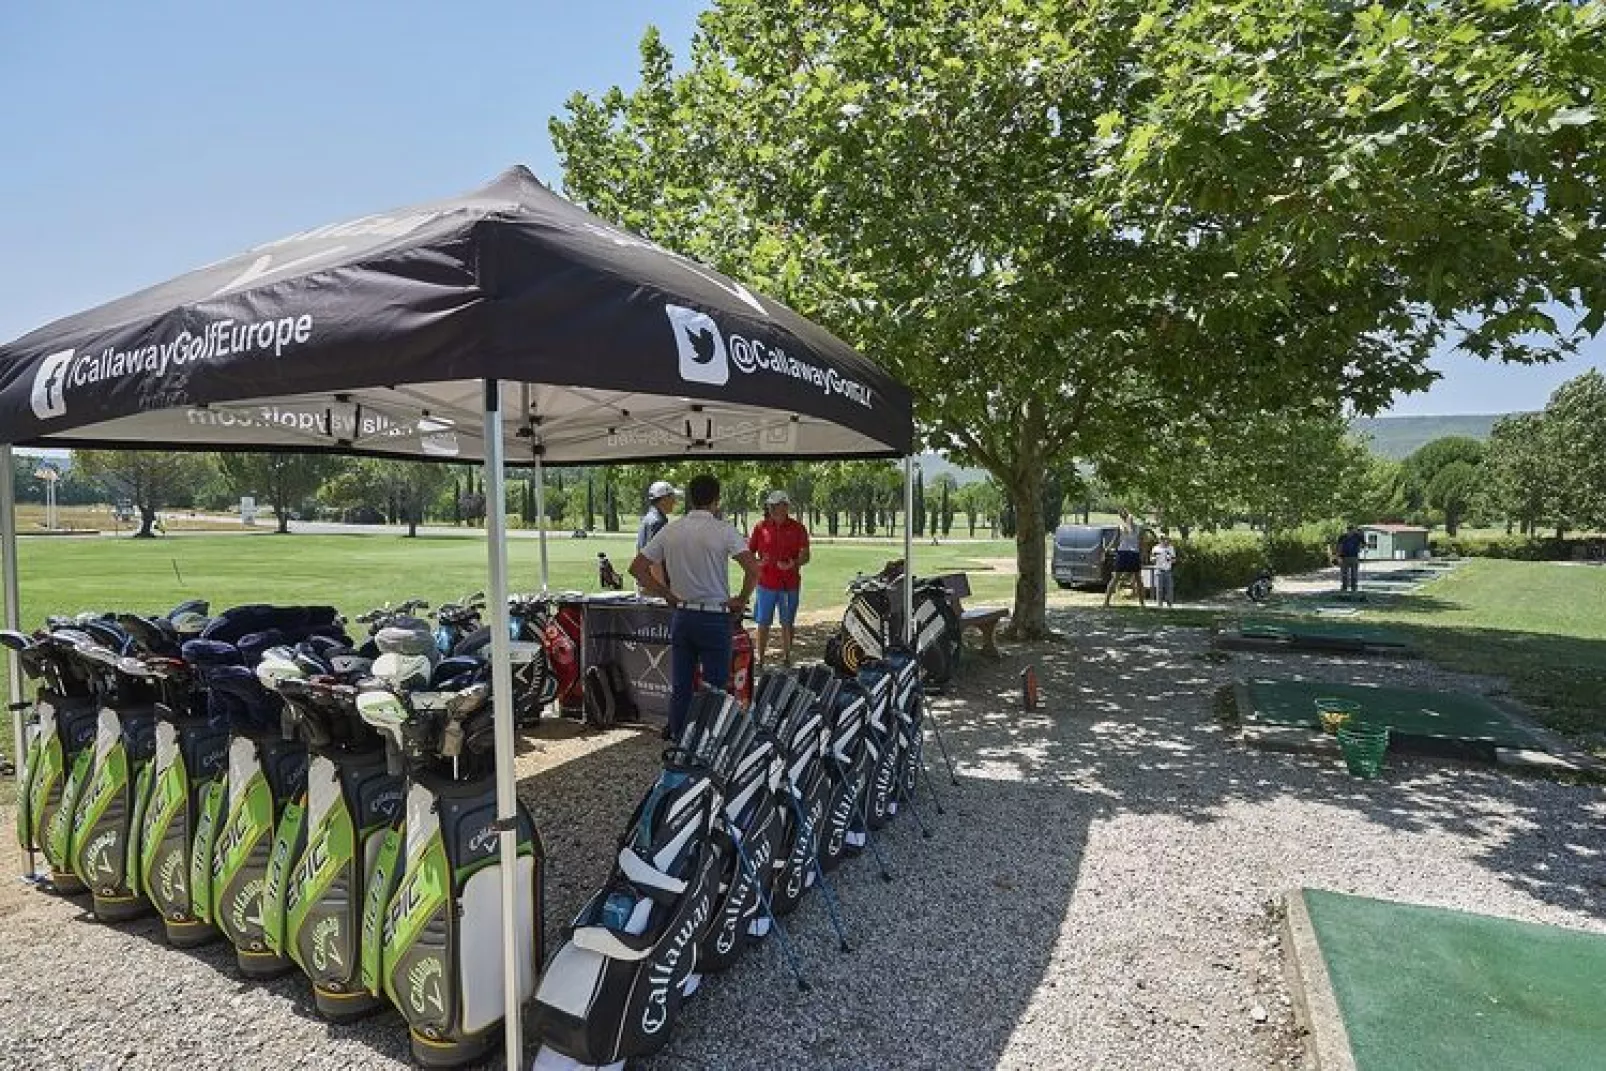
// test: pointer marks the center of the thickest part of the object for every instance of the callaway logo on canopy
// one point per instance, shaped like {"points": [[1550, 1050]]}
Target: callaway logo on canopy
{"points": [[371, 336]]}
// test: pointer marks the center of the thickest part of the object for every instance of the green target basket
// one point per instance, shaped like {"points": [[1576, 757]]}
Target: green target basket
{"points": [[1336, 714], [1364, 747]]}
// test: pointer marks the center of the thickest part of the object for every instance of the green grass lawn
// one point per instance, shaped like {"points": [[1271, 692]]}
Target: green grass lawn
{"points": [[357, 572], [1541, 625]]}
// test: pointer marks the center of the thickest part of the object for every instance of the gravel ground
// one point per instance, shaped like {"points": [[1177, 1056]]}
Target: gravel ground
{"points": [[1099, 893]]}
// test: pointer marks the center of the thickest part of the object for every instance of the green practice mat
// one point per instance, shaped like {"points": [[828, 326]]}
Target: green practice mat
{"points": [[1302, 632], [1436, 722], [1422, 987]]}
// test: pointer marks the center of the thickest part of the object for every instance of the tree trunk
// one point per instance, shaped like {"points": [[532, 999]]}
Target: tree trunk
{"points": [[1029, 618], [281, 513], [147, 522]]}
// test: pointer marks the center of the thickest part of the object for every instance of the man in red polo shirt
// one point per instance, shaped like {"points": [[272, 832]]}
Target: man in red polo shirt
{"points": [[781, 545]]}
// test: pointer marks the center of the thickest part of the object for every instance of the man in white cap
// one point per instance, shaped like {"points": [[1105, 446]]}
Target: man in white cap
{"points": [[661, 498], [781, 545], [660, 506]]}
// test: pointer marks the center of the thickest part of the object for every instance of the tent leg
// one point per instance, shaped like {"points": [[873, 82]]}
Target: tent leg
{"points": [[502, 698], [13, 616], [540, 517], [908, 552]]}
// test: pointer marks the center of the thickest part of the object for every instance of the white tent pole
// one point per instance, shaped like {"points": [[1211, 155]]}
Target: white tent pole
{"points": [[540, 515], [502, 699], [8, 565], [908, 552]]}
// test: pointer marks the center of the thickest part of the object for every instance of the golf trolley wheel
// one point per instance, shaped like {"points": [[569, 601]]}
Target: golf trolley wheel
{"points": [[442, 1053]]}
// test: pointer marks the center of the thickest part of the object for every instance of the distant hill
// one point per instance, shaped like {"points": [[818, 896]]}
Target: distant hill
{"points": [[1398, 437], [933, 466]]}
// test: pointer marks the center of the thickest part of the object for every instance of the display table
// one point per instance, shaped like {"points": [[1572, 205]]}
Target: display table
{"points": [[633, 633]]}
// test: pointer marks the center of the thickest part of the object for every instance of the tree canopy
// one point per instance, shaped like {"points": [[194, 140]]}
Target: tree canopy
{"points": [[1067, 225]]}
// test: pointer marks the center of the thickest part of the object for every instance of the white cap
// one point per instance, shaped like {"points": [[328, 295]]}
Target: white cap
{"points": [[662, 489], [775, 498]]}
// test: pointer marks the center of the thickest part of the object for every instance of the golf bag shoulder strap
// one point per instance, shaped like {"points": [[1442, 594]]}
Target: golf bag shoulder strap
{"points": [[601, 697], [624, 699]]}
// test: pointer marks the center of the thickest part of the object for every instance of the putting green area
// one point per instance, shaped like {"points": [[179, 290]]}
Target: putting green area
{"points": [[1422, 987], [1436, 722], [1317, 633]]}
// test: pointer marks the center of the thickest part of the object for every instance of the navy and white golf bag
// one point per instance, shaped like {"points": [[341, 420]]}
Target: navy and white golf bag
{"points": [[755, 823], [613, 991], [847, 765], [803, 736]]}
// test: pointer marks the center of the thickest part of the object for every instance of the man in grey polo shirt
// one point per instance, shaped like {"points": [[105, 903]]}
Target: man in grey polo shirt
{"points": [[694, 553]]}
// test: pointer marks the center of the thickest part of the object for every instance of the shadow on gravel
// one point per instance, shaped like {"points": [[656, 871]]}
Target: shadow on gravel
{"points": [[1153, 746], [943, 956]]}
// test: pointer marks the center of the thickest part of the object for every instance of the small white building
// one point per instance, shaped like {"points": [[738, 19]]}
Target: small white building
{"points": [[1394, 542]]}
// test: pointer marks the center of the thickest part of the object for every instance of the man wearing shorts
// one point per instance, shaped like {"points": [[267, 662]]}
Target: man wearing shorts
{"points": [[781, 545], [1128, 558]]}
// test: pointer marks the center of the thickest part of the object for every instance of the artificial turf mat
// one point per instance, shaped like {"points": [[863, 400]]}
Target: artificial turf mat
{"points": [[1439, 722], [1319, 633], [1422, 987]]}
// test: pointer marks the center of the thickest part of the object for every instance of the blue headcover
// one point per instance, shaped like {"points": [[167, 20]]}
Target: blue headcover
{"points": [[236, 699], [455, 674], [204, 653], [254, 644], [294, 622]]}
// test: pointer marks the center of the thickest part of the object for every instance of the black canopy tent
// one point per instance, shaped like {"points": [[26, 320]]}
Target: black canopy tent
{"points": [[505, 326]]}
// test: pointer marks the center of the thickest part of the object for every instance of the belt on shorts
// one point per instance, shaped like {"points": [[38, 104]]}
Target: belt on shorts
{"points": [[705, 607]]}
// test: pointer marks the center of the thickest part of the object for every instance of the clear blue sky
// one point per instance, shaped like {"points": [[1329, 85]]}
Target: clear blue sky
{"points": [[144, 139]]}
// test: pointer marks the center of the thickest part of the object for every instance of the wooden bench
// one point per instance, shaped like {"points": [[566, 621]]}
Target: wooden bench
{"points": [[984, 619]]}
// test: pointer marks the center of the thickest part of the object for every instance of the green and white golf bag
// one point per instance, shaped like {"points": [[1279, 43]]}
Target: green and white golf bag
{"points": [[191, 757], [250, 819], [106, 826], [60, 747], [352, 801], [432, 919]]}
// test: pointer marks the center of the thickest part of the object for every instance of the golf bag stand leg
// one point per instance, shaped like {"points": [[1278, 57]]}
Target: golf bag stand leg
{"points": [[832, 903], [936, 727], [790, 953]]}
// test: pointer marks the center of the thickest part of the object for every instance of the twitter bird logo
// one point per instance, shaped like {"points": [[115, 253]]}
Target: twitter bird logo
{"points": [[703, 344], [703, 356]]}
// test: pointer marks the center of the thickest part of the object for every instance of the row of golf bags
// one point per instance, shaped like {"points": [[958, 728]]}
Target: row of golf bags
{"points": [[253, 776], [753, 806]]}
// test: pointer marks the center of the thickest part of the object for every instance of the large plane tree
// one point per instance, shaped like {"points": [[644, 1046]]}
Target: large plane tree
{"points": [[1068, 224]]}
